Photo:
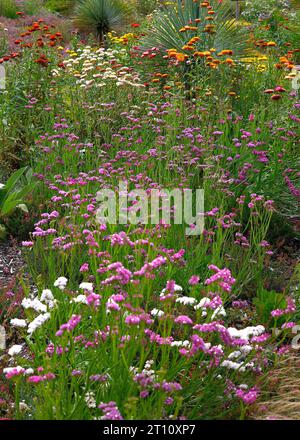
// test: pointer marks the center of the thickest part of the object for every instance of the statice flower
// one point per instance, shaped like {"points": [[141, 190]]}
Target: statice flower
{"points": [[34, 304], [11, 372], [157, 313], [248, 397], [37, 322], [194, 280], [222, 277], [110, 411], [291, 308], [79, 299], [183, 319], [61, 283], [246, 332], [70, 325], [90, 400], [16, 322], [86, 286], [186, 300], [15, 350], [48, 298]]}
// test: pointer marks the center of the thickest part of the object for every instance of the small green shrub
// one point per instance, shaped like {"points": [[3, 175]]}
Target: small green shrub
{"points": [[61, 6], [8, 9]]}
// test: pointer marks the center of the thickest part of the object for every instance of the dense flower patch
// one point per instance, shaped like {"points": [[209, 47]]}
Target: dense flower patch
{"points": [[129, 321]]}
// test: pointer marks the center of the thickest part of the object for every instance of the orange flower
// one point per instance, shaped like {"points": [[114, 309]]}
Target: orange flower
{"points": [[229, 61], [186, 47], [199, 54], [225, 52], [180, 57]]}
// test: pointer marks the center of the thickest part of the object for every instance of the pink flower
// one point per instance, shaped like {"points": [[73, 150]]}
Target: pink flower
{"points": [[70, 325], [183, 319], [132, 320], [248, 397], [194, 280], [84, 268]]}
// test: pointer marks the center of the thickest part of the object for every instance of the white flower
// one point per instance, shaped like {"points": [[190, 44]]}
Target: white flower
{"points": [[219, 311], [79, 299], [233, 365], [2, 185], [47, 295], [38, 322], [29, 371], [34, 304], [203, 303], [86, 286], [245, 333], [48, 298], [90, 400], [14, 350], [185, 343], [61, 283], [18, 322], [186, 300], [158, 313]]}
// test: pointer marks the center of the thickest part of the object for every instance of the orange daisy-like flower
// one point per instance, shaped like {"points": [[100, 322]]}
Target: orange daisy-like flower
{"points": [[188, 47], [180, 57]]}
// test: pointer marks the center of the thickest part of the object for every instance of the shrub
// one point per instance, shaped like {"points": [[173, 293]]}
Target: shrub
{"points": [[101, 16], [8, 9]]}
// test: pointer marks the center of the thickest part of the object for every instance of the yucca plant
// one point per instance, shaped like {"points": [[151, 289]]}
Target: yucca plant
{"points": [[226, 32], [101, 16]]}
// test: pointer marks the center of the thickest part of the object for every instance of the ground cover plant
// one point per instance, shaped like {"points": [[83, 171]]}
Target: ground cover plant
{"points": [[138, 319]]}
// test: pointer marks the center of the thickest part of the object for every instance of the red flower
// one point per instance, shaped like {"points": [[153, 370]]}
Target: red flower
{"points": [[43, 61], [275, 97], [135, 25]]}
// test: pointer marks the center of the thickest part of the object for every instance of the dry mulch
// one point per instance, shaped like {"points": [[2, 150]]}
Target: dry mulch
{"points": [[11, 262]]}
